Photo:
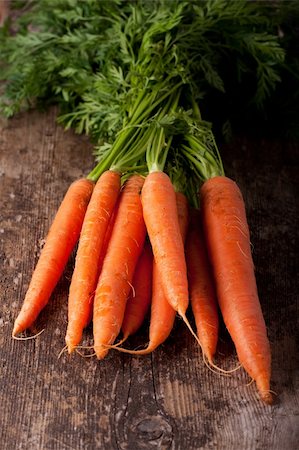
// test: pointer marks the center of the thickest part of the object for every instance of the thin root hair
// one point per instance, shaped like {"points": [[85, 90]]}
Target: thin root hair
{"points": [[133, 289], [223, 371], [144, 351], [84, 356], [62, 351], [249, 383], [28, 338], [211, 366]]}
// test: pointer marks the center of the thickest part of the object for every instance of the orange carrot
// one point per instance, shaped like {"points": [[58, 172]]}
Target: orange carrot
{"points": [[161, 218], [228, 240], [86, 272], [61, 239], [104, 249], [140, 298], [115, 281], [201, 287], [162, 313]]}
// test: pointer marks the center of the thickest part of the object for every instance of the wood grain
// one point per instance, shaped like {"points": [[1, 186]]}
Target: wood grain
{"points": [[167, 400]]}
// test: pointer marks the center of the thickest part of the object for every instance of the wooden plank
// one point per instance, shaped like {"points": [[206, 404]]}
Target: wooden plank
{"points": [[167, 400]]}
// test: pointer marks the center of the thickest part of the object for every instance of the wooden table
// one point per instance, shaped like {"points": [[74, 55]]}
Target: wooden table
{"points": [[167, 400]]}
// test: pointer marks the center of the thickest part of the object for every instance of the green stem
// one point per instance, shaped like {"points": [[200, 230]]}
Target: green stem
{"points": [[161, 99], [196, 110], [144, 107], [157, 153]]}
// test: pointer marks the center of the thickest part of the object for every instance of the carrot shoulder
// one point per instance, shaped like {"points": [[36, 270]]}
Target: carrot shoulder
{"points": [[201, 287], [228, 242], [60, 241], [86, 271], [115, 281]]}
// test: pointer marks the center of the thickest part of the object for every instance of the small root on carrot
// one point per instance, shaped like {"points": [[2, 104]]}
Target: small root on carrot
{"points": [[144, 351], [62, 351], [84, 356], [209, 363], [84, 346], [183, 316], [243, 253], [133, 289], [119, 342], [27, 338], [250, 382], [218, 369]]}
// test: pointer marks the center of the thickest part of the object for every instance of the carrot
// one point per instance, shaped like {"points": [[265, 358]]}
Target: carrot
{"points": [[115, 280], [140, 298], [162, 313], [61, 239], [161, 218], [228, 241], [86, 272], [103, 253], [201, 287]]}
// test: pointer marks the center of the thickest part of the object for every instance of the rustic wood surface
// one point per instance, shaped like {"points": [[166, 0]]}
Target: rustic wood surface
{"points": [[167, 400]]}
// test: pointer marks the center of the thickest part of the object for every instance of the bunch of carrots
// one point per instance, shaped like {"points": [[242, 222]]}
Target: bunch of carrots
{"points": [[158, 224], [142, 246]]}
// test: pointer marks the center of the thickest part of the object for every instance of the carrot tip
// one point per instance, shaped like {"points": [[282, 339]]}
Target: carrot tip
{"points": [[16, 329], [101, 351], [267, 397], [69, 346]]}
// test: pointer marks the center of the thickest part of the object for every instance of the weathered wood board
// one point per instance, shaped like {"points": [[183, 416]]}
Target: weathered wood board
{"points": [[167, 400]]}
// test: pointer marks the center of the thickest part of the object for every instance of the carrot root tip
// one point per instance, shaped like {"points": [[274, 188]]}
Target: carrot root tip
{"points": [[16, 329], [61, 352], [101, 351], [268, 396]]}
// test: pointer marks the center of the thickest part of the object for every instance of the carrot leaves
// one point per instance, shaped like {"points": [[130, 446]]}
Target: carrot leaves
{"points": [[84, 55]]}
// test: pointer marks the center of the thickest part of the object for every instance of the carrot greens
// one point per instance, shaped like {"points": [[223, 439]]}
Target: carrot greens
{"points": [[94, 59]]}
